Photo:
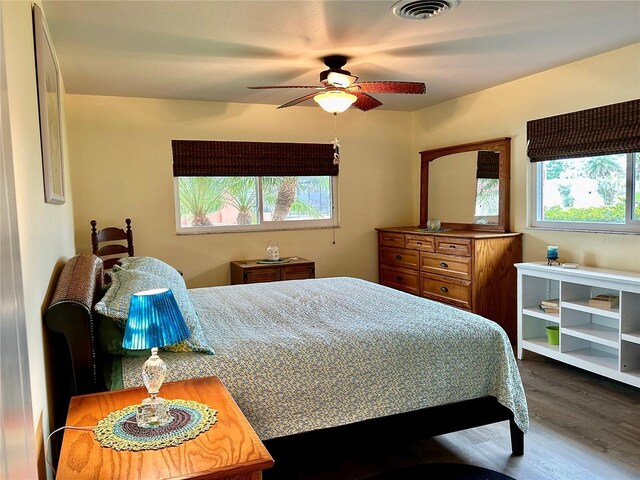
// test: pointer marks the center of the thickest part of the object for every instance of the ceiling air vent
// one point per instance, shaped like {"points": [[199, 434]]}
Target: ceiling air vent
{"points": [[423, 9]]}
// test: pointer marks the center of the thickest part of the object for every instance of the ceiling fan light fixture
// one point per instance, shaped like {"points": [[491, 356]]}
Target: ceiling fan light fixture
{"points": [[335, 101]]}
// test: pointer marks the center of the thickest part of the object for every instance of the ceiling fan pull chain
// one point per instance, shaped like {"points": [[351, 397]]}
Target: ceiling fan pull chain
{"points": [[336, 141]]}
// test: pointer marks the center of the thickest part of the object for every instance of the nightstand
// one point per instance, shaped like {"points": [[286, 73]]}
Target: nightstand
{"points": [[229, 450], [250, 271]]}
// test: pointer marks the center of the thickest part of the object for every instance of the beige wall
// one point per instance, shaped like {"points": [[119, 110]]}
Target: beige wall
{"points": [[46, 231], [503, 111], [121, 162]]}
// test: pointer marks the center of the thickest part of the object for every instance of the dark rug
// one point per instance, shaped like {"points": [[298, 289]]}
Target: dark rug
{"points": [[443, 471]]}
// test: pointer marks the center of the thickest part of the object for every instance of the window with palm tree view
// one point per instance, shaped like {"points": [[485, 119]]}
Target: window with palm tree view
{"points": [[254, 203], [591, 193]]}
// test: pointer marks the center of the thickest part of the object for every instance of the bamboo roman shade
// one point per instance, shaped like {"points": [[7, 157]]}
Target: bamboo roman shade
{"points": [[596, 131], [204, 158], [488, 164]]}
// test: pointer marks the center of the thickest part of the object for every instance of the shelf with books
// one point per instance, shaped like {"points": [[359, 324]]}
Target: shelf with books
{"points": [[601, 338]]}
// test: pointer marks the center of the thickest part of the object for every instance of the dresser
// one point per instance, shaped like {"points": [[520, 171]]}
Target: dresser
{"points": [[250, 271], [471, 270]]}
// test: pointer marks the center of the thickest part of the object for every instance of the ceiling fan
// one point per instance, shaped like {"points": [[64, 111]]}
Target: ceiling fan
{"points": [[340, 89]]}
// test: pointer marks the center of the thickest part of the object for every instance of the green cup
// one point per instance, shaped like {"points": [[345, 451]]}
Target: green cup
{"points": [[553, 335]]}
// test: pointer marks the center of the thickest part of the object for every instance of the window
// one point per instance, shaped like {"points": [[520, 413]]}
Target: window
{"points": [[487, 187], [487, 200], [243, 186], [599, 193], [585, 169], [214, 204]]}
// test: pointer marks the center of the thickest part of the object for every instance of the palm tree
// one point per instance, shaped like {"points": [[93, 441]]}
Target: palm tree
{"points": [[487, 196], [603, 167], [240, 193], [199, 196], [609, 190], [287, 193], [282, 194]]}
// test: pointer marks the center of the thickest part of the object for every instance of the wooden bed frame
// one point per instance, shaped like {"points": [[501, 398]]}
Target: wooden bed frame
{"points": [[77, 358]]}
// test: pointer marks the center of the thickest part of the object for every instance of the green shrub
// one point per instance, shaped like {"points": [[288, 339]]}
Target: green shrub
{"points": [[606, 214]]}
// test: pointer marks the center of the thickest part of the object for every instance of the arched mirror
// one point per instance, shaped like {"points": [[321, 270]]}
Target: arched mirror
{"points": [[466, 186]]}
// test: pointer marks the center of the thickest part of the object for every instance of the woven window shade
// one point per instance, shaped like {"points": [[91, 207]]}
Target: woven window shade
{"points": [[488, 164], [202, 158], [597, 131]]}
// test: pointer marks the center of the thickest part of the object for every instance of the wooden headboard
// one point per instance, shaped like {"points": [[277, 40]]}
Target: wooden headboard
{"points": [[73, 329]]}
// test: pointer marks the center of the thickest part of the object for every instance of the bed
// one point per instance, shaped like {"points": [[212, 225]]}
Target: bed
{"points": [[307, 355]]}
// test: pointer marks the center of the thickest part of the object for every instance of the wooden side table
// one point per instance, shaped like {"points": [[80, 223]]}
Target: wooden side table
{"points": [[249, 271], [229, 450]]}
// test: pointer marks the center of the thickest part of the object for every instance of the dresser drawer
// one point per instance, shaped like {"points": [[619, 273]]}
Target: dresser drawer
{"points": [[400, 278], [392, 239], [301, 272], [448, 265], [458, 246], [419, 242], [399, 257], [448, 290]]}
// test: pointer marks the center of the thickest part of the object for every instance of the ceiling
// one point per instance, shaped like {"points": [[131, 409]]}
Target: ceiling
{"points": [[213, 50]]}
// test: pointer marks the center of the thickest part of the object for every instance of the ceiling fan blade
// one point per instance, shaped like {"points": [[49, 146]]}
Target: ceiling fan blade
{"points": [[298, 100], [315, 87], [365, 102], [391, 87]]}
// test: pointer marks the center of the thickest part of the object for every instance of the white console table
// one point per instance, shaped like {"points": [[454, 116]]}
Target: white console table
{"points": [[600, 340]]}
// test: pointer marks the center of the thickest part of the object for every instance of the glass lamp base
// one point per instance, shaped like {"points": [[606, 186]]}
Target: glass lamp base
{"points": [[153, 412]]}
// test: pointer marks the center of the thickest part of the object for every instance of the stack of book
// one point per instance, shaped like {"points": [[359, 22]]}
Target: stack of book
{"points": [[550, 306], [604, 301]]}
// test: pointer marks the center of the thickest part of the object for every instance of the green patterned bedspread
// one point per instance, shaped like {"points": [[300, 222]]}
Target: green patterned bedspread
{"points": [[310, 354]]}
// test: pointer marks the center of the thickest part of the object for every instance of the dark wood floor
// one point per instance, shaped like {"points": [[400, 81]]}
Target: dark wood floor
{"points": [[583, 426]]}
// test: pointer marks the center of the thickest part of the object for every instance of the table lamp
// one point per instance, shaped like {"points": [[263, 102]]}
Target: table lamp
{"points": [[154, 321]]}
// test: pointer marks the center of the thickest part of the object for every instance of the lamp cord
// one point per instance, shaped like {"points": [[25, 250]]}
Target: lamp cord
{"points": [[87, 428]]}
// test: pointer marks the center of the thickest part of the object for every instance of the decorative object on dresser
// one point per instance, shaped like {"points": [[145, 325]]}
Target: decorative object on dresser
{"points": [[254, 271], [154, 321], [273, 251], [449, 173], [469, 270], [596, 332], [552, 255]]}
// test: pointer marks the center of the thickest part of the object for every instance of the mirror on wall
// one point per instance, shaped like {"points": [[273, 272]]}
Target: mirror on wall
{"points": [[466, 186]]}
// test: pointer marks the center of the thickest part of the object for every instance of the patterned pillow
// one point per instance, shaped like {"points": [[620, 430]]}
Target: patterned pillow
{"points": [[124, 283], [151, 265]]}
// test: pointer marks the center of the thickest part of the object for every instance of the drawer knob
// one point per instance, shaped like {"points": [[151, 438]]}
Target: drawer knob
{"points": [[398, 257], [444, 265], [418, 243], [398, 278], [444, 289], [452, 246]]}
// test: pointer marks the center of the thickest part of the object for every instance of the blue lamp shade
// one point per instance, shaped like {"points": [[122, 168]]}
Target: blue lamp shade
{"points": [[154, 321]]}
